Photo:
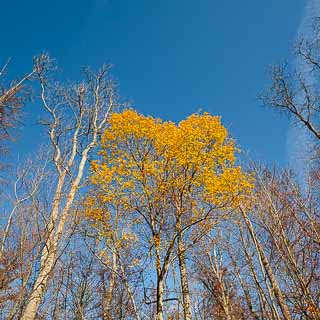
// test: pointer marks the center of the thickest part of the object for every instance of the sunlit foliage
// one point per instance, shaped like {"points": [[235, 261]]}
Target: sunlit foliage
{"points": [[160, 169]]}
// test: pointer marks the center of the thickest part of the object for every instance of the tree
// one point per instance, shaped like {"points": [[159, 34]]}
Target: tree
{"points": [[169, 183], [220, 296], [21, 233], [13, 95], [295, 91], [288, 243], [76, 116]]}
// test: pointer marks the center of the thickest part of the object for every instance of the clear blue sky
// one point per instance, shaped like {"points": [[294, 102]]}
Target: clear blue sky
{"points": [[170, 56]]}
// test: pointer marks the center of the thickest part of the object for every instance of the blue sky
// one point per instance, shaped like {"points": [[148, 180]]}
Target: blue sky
{"points": [[170, 57]]}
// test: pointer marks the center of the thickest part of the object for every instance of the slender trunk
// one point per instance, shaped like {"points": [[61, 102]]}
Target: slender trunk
{"points": [[160, 299], [222, 294], [107, 312], [273, 281], [247, 297], [262, 295], [47, 259], [161, 268], [126, 283], [184, 279], [244, 287], [160, 278]]}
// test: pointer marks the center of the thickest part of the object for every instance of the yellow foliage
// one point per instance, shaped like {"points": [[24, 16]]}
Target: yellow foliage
{"points": [[146, 155], [161, 167]]}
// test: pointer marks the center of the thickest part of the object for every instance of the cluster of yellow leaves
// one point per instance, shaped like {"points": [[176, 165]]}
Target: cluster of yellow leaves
{"points": [[158, 166], [145, 158]]}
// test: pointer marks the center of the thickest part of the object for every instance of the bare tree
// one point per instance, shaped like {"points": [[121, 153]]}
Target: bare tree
{"points": [[220, 297], [13, 95], [77, 114], [21, 235], [296, 92]]}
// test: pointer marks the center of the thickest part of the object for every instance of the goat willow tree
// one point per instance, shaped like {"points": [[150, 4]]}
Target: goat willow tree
{"points": [[168, 182], [77, 114]]}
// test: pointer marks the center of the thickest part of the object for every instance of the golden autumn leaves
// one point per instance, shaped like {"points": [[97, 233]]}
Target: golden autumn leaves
{"points": [[150, 165], [146, 155]]}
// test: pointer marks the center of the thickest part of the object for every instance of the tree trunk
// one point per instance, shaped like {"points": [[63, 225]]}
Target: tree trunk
{"points": [[107, 312], [47, 259], [159, 299], [273, 281], [187, 312], [126, 283]]}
